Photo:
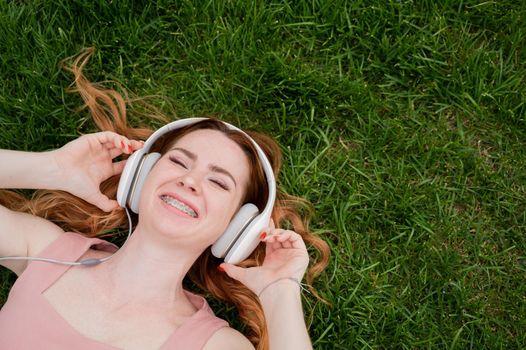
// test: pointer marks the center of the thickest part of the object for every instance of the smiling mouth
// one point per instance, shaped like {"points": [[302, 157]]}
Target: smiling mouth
{"points": [[179, 205]]}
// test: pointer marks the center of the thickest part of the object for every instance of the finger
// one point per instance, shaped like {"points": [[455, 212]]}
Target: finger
{"points": [[270, 242], [112, 205], [114, 152], [103, 202], [126, 146], [272, 234], [107, 136], [111, 149], [109, 145], [276, 232], [279, 239], [233, 271], [287, 238], [121, 142], [270, 247], [136, 144], [109, 139], [283, 238], [118, 167], [297, 241], [275, 245], [272, 230]]}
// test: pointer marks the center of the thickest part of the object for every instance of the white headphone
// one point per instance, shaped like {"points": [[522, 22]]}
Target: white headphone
{"points": [[241, 236]]}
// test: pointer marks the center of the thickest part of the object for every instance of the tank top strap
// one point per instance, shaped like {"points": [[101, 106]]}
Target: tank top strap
{"points": [[69, 246], [194, 333]]}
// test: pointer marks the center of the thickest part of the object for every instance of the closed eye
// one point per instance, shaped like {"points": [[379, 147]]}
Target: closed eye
{"points": [[220, 184], [178, 162]]}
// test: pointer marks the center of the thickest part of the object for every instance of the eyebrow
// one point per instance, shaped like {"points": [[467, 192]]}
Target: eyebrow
{"points": [[212, 167]]}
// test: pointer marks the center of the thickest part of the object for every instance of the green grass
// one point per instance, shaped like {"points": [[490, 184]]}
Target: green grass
{"points": [[402, 121]]}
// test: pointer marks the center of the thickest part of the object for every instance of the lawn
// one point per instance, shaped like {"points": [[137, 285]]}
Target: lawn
{"points": [[403, 122]]}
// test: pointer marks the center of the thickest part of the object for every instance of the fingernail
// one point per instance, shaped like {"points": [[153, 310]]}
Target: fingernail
{"points": [[263, 235], [220, 268]]}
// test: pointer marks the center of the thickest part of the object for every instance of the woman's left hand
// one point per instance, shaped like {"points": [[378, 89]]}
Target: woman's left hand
{"points": [[285, 256]]}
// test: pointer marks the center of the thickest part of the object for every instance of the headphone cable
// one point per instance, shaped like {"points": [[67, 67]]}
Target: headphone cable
{"points": [[83, 262]]}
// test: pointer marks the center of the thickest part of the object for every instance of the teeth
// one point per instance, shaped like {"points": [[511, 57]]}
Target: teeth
{"points": [[181, 206]]}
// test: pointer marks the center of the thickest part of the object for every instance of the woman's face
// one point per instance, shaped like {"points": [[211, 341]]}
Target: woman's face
{"points": [[195, 188]]}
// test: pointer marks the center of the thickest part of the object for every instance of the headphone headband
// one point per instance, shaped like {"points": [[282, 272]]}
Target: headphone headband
{"points": [[241, 236]]}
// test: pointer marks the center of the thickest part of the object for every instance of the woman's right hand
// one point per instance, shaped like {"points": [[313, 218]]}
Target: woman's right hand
{"points": [[86, 162]]}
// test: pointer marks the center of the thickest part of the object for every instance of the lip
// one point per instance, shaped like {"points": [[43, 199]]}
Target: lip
{"points": [[185, 202]]}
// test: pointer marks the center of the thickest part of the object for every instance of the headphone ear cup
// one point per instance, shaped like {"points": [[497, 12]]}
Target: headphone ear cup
{"points": [[144, 169], [248, 240], [127, 176], [234, 230]]}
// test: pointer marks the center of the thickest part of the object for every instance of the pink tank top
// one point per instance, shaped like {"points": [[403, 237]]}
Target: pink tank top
{"points": [[28, 321]]}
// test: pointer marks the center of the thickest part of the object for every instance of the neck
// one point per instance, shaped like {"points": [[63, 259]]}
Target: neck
{"points": [[147, 271]]}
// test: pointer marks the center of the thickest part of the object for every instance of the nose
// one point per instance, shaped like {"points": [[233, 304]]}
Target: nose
{"points": [[188, 181]]}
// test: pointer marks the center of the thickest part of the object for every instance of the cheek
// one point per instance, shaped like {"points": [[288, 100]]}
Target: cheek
{"points": [[223, 214]]}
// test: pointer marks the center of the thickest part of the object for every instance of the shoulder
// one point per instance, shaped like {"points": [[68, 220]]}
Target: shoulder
{"points": [[23, 234], [228, 338]]}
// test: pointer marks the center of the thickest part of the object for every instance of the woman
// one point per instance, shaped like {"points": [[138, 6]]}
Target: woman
{"points": [[136, 299]]}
